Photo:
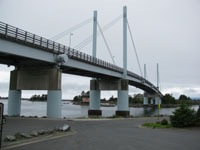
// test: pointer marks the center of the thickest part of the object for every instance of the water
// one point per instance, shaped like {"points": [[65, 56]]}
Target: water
{"points": [[29, 108]]}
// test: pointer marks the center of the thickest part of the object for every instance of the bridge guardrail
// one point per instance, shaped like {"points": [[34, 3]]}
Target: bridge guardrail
{"points": [[22, 36], [19, 35]]}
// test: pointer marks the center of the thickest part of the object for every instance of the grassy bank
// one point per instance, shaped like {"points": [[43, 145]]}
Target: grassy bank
{"points": [[157, 125]]}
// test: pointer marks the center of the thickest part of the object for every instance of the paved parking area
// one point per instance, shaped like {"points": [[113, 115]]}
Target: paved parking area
{"points": [[107, 134]]}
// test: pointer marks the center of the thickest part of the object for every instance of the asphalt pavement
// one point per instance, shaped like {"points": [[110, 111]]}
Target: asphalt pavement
{"points": [[120, 134]]}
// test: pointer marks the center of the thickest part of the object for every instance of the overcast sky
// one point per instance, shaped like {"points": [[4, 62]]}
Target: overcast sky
{"points": [[164, 31]]}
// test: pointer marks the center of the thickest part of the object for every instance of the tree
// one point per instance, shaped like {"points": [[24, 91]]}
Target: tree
{"points": [[183, 117], [198, 114], [184, 97], [138, 99], [130, 99], [168, 99], [77, 98]]}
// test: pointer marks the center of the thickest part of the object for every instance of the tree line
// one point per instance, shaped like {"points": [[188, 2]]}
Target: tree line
{"points": [[139, 98], [42, 97]]}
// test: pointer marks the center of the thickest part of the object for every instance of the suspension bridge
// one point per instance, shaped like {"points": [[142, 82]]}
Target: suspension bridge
{"points": [[39, 63]]}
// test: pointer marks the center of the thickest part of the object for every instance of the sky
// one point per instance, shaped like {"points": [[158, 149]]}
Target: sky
{"points": [[164, 31]]}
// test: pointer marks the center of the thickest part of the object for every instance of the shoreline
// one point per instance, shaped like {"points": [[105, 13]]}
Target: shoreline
{"points": [[28, 99], [110, 104]]}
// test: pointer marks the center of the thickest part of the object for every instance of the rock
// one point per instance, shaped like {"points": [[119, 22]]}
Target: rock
{"points": [[27, 136], [18, 135], [34, 133], [49, 131], [9, 138], [65, 127], [41, 132]]}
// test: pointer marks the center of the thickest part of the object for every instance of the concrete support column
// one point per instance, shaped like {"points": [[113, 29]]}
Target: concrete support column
{"points": [[123, 100], [152, 101], [36, 78], [14, 96], [156, 100], [54, 104], [95, 103], [145, 102], [95, 95], [14, 103], [160, 101]]}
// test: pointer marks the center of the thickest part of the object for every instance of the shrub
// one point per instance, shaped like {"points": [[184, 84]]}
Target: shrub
{"points": [[183, 117], [198, 114], [164, 122]]}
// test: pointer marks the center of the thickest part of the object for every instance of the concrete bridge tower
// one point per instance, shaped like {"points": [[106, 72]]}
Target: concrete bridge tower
{"points": [[123, 99], [95, 94], [121, 85]]}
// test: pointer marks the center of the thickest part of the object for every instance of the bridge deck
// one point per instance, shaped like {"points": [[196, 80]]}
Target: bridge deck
{"points": [[19, 36]]}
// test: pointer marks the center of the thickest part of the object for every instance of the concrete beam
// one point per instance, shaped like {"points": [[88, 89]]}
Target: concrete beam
{"points": [[119, 84], [36, 78]]}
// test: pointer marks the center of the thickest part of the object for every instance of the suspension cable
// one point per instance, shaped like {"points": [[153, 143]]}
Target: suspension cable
{"points": [[73, 28], [106, 43], [134, 48], [104, 28]]}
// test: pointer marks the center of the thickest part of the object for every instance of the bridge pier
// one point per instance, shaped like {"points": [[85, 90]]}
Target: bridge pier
{"points": [[14, 103], [160, 101], [156, 100], [123, 104], [123, 100], [152, 101], [54, 98], [95, 103], [14, 96], [121, 85], [95, 95], [36, 78], [145, 102]]}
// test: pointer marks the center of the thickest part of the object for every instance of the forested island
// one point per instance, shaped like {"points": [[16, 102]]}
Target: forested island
{"points": [[137, 100], [42, 98]]}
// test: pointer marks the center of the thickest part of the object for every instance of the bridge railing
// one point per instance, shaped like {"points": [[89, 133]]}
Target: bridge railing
{"points": [[21, 36]]}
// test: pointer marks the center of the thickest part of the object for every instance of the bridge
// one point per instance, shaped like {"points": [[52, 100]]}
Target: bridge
{"points": [[39, 63]]}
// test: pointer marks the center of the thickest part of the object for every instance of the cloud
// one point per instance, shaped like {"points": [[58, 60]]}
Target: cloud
{"points": [[4, 76], [168, 37], [4, 88], [177, 91], [194, 92]]}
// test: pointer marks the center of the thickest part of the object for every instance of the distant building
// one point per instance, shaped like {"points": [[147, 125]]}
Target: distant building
{"points": [[85, 97]]}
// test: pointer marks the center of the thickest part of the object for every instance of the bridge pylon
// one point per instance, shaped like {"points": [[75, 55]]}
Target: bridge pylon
{"points": [[123, 100], [95, 94]]}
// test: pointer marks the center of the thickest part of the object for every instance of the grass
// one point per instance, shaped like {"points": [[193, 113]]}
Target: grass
{"points": [[157, 125]]}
